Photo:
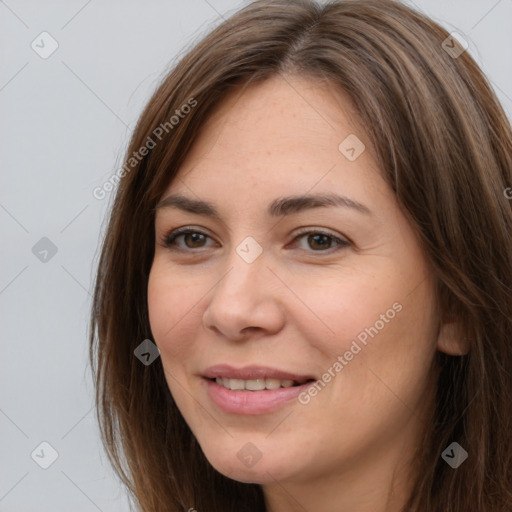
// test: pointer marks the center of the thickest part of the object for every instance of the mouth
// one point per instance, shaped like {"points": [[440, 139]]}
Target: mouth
{"points": [[254, 389], [252, 385], [254, 378]]}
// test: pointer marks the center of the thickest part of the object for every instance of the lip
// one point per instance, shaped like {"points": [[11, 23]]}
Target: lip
{"points": [[252, 372], [251, 402]]}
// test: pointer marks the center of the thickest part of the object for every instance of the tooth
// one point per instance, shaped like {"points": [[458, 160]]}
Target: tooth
{"points": [[236, 384], [272, 383], [255, 384]]}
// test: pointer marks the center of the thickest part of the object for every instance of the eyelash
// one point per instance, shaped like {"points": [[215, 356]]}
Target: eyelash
{"points": [[168, 239]]}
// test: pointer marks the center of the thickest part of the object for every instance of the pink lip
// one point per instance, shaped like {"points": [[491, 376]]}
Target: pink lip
{"points": [[251, 402], [252, 372]]}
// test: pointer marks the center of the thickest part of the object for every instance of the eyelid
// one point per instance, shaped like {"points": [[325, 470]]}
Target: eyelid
{"points": [[174, 233], [322, 231], [341, 241]]}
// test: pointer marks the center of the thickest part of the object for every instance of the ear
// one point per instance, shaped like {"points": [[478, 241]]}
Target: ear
{"points": [[451, 341]]}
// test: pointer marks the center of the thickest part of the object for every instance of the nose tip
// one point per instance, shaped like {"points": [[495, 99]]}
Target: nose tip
{"points": [[244, 302]]}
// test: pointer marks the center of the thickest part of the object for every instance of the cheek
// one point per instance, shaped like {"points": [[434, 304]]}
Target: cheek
{"points": [[170, 311], [378, 320], [339, 307]]}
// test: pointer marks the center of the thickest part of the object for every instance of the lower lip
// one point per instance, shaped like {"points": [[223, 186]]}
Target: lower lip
{"points": [[252, 402]]}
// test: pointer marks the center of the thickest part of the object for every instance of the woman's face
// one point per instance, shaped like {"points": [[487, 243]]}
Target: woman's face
{"points": [[272, 290]]}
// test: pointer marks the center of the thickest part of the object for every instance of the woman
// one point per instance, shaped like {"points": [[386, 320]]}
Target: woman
{"points": [[303, 296]]}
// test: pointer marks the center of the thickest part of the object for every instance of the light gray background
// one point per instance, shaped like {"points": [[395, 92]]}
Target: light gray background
{"points": [[65, 123]]}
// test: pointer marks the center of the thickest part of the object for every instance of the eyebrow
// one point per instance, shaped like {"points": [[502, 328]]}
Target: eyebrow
{"points": [[280, 207]]}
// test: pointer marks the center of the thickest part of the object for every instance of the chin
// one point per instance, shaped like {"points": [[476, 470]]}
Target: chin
{"points": [[240, 467]]}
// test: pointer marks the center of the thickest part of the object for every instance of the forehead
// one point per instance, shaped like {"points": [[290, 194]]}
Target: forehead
{"points": [[251, 159], [280, 110], [280, 124]]}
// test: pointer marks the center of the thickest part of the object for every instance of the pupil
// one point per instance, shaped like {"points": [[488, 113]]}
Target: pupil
{"points": [[195, 237], [324, 237]]}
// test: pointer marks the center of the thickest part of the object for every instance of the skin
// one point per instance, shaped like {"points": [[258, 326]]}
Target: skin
{"points": [[300, 304]]}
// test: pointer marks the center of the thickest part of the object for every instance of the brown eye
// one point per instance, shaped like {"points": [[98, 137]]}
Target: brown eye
{"points": [[316, 241], [319, 241], [193, 239]]}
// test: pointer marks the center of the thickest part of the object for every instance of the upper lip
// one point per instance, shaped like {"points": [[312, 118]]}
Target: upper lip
{"points": [[252, 372]]}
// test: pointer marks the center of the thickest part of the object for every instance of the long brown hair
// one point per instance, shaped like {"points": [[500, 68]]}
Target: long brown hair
{"points": [[444, 145]]}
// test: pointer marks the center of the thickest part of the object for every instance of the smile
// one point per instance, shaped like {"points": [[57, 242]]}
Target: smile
{"points": [[256, 384], [252, 389]]}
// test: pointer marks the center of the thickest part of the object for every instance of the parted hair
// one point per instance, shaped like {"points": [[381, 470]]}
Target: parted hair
{"points": [[444, 145]]}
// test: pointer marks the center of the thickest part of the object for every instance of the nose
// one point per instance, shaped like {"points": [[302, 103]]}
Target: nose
{"points": [[246, 300]]}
